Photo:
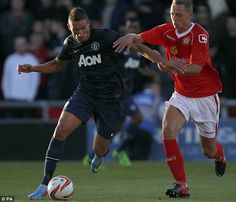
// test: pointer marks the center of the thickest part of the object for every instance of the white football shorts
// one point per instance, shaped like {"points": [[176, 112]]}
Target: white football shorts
{"points": [[204, 112]]}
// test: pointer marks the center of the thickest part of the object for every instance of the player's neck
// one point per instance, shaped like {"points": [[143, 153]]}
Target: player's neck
{"points": [[184, 29]]}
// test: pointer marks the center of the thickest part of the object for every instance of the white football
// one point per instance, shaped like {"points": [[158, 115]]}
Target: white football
{"points": [[60, 188]]}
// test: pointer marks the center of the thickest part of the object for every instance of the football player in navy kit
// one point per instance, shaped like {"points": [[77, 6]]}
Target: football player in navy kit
{"points": [[99, 93]]}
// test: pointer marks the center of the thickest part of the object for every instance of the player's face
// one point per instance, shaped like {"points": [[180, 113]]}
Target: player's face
{"points": [[180, 17], [80, 29]]}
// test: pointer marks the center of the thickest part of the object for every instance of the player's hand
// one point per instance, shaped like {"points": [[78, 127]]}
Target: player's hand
{"points": [[124, 42], [176, 67], [26, 68], [172, 67]]}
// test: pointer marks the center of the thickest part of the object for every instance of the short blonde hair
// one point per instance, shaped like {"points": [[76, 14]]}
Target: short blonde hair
{"points": [[187, 4]]}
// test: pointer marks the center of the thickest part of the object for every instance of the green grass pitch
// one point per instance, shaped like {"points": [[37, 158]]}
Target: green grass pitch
{"points": [[143, 182]]}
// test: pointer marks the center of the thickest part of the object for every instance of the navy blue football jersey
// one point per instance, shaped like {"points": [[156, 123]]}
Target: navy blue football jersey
{"points": [[98, 65]]}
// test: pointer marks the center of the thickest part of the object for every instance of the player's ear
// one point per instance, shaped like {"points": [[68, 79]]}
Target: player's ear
{"points": [[68, 26], [89, 22], [191, 14]]}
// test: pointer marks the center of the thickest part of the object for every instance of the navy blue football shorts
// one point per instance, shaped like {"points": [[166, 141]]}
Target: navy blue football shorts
{"points": [[107, 116]]}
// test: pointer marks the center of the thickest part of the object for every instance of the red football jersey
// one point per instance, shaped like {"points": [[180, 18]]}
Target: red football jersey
{"points": [[191, 47]]}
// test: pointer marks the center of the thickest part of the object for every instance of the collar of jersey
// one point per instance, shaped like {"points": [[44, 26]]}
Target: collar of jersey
{"points": [[184, 33]]}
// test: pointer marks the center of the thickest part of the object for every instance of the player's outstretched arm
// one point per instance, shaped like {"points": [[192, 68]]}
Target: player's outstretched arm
{"points": [[192, 69], [172, 66], [126, 42], [45, 68]]}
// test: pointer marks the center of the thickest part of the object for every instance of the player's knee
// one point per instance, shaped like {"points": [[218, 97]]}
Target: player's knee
{"points": [[61, 133], [168, 132]]}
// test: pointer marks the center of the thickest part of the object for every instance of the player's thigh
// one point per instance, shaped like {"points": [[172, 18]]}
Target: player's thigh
{"points": [[172, 123], [81, 105], [108, 120], [175, 116], [78, 109]]}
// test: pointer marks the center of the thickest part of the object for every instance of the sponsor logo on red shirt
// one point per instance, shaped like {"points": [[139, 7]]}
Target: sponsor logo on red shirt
{"points": [[202, 38]]}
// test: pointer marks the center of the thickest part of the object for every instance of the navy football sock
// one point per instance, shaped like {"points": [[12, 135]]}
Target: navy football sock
{"points": [[53, 155]]}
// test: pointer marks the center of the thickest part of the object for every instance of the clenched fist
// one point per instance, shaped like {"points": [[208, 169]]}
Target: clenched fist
{"points": [[26, 68]]}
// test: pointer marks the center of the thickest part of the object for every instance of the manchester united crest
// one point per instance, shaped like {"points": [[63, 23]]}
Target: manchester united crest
{"points": [[95, 46]]}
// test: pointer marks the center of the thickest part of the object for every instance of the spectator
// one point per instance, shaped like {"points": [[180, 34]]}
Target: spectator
{"points": [[58, 33], [42, 9], [203, 17], [62, 9], [39, 27], [15, 87], [232, 7], [38, 48], [112, 11], [167, 15], [217, 7], [225, 59], [14, 22], [4, 5], [136, 68], [94, 10], [150, 13], [60, 84], [131, 13]]}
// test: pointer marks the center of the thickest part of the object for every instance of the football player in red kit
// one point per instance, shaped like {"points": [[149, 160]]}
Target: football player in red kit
{"points": [[196, 90]]}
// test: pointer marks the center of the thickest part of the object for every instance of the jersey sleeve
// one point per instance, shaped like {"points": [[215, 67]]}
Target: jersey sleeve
{"points": [[199, 52], [155, 35], [66, 51]]}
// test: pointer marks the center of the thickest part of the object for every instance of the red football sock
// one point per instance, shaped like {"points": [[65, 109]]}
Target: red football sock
{"points": [[175, 160], [220, 152]]}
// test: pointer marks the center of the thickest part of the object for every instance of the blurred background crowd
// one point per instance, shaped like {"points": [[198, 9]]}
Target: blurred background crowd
{"points": [[33, 31]]}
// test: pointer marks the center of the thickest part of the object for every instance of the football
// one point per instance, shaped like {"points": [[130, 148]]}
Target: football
{"points": [[60, 188]]}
